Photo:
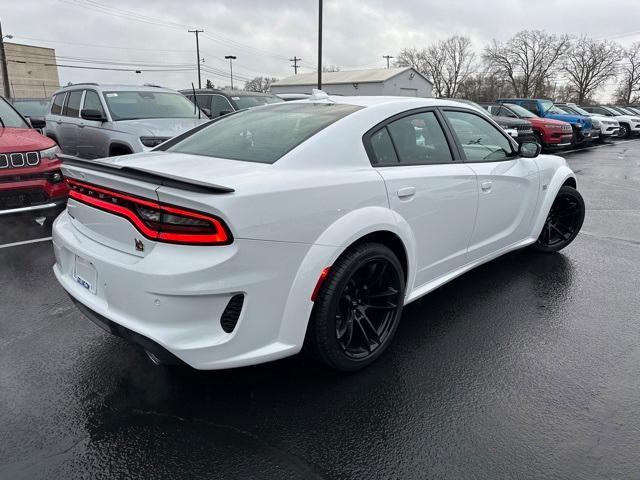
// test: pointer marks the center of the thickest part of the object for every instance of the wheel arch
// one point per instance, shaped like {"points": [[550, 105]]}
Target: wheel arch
{"points": [[562, 176], [379, 224]]}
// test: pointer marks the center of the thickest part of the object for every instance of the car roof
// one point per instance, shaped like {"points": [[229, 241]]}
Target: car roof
{"points": [[229, 93], [371, 101], [115, 88]]}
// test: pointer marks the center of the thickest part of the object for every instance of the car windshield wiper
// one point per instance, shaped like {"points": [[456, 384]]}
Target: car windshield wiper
{"points": [[2, 122]]}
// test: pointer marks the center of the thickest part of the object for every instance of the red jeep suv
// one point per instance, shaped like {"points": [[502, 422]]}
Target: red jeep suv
{"points": [[30, 179]]}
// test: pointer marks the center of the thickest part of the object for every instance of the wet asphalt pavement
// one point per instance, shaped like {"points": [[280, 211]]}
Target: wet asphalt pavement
{"points": [[527, 367]]}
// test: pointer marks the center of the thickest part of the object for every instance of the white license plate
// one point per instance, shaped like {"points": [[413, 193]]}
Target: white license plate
{"points": [[84, 273]]}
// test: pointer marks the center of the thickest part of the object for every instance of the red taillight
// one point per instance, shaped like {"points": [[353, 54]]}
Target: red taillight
{"points": [[157, 221]]}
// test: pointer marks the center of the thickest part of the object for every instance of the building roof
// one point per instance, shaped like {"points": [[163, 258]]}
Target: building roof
{"points": [[371, 75]]}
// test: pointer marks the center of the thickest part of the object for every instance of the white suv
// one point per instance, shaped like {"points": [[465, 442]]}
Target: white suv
{"points": [[628, 123], [93, 121]]}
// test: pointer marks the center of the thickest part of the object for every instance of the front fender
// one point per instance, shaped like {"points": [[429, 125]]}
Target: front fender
{"points": [[326, 250], [552, 178]]}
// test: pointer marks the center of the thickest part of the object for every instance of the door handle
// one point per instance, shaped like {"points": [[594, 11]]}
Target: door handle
{"points": [[80, 125], [406, 192], [486, 187]]}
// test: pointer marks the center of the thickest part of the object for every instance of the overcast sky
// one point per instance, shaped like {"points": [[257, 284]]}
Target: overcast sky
{"points": [[265, 34]]}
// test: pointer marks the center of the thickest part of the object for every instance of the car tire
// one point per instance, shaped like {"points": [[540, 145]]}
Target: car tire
{"points": [[563, 222], [624, 131], [538, 139], [358, 308]]}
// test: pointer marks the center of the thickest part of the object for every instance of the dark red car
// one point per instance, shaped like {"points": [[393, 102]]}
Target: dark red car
{"points": [[31, 182], [550, 133]]}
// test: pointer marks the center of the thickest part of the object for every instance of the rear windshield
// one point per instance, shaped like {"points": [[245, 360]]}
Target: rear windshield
{"points": [[146, 104], [32, 108], [248, 101], [263, 134]]}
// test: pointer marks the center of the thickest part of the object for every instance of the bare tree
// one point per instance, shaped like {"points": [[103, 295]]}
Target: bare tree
{"points": [[629, 88], [529, 60], [457, 65], [589, 64], [260, 84], [447, 63]]}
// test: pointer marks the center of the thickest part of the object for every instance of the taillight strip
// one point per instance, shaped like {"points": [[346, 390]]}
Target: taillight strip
{"points": [[221, 237]]}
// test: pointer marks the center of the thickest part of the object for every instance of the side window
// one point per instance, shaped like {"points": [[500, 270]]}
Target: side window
{"points": [[56, 105], [203, 101], [531, 106], [419, 140], [72, 106], [382, 148], [219, 104], [480, 140], [92, 101], [505, 112]]}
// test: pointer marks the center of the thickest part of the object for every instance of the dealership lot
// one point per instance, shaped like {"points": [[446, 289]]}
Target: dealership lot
{"points": [[527, 367]]}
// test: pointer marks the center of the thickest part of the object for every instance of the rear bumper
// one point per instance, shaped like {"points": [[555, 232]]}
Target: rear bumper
{"points": [[175, 296], [48, 208]]}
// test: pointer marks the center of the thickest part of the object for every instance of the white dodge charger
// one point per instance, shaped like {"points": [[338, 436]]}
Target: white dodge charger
{"points": [[298, 225]]}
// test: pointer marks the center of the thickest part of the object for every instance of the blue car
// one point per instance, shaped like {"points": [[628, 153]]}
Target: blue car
{"points": [[580, 124]]}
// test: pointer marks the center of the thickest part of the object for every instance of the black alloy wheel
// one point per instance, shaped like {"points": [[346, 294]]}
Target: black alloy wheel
{"points": [[624, 131], [358, 308], [563, 222]]}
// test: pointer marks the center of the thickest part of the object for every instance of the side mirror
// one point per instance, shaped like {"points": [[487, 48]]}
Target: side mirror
{"points": [[94, 115], [37, 122], [529, 149], [225, 112], [206, 111]]}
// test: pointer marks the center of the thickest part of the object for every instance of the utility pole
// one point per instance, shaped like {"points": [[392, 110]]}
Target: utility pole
{"points": [[231, 58], [295, 61], [198, 53], [320, 45], [387, 57], [3, 60]]}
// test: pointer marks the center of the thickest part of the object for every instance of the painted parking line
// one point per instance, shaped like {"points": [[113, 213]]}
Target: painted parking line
{"points": [[26, 242]]}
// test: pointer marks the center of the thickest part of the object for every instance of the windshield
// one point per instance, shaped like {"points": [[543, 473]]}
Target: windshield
{"points": [[520, 111], [616, 111], [635, 110], [264, 134], [549, 107], [9, 117], [577, 109], [626, 111], [32, 108], [247, 101], [145, 104]]}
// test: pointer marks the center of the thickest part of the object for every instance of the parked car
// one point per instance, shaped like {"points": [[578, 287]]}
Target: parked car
{"points": [[288, 97], [519, 129], [603, 127], [93, 121], [549, 133], [580, 124], [629, 123], [31, 182], [31, 107], [302, 224], [634, 109], [215, 103]]}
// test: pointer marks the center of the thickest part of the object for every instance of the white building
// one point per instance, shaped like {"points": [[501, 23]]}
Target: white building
{"points": [[403, 81]]}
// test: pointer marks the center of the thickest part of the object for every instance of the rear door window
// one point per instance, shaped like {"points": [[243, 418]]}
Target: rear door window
{"points": [[72, 107], [419, 140], [56, 105]]}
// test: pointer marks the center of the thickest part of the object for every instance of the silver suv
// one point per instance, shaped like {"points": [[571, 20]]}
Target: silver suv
{"points": [[93, 121]]}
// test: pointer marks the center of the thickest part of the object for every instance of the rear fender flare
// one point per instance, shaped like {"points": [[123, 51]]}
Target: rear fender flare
{"points": [[560, 176], [325, 251]]}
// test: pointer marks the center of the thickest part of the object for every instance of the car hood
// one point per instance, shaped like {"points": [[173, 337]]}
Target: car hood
{"points": [[23, 140], [159, 127], [603, 118], [510, 122], [571, 118], [551, 121], [186, 167], [626, 118]]}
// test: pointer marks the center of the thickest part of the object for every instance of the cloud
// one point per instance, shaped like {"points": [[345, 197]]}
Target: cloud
{"points": [[265, 34]]}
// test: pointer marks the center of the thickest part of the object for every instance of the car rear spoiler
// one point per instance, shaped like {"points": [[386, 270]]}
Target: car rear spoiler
{"points": [[144, 175]]}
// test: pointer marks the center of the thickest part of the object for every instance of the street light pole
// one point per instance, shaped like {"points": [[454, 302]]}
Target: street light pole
{"points": [[320, 45], [231, 58], [3, 61]]}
